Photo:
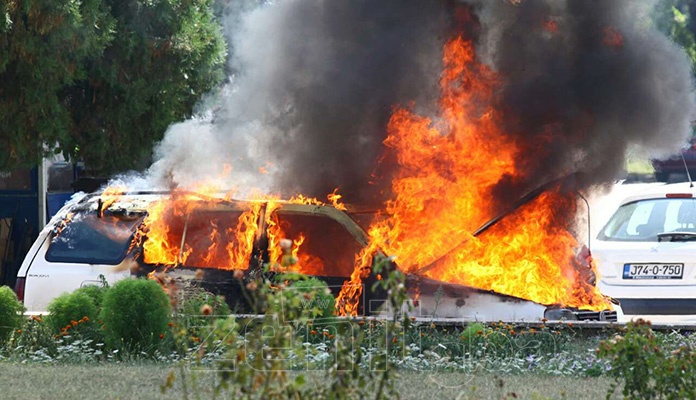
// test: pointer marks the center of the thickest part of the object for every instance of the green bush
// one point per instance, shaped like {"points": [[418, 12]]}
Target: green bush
{"points": [[198, 312], [646, 366], [72, 312], [135, 313], [258, 351], [96, 293], [194, 300], [10, 313], [315, 295]]}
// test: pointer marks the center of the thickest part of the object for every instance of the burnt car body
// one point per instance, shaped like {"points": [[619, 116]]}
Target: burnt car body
{"points": [[212, 237], [94, 236]]}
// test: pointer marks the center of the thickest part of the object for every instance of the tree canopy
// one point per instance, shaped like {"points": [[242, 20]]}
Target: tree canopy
{"points": [[100, 80], [677, 18]]}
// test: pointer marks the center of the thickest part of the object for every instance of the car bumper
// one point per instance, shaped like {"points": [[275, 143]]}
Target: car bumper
{"points": [[647, 306], [623, 291]]}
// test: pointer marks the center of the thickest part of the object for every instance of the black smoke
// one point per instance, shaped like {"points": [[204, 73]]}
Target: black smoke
{"points": [[316, 81], [584, 80], [322, 78]]}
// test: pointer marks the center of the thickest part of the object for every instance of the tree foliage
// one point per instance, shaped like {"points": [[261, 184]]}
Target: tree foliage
{"points": [[100, 80], [677, 18]]}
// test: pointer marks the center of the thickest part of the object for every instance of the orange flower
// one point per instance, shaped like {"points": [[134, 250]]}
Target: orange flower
{"points": [[199, 275], [19, 331], [73, 322], [251, 286], [170, 324], [313, 332], [570, 324], [206, 309], [544, 320], [422, 334], [326, 333], [361, 322], [84, 319], [331, 336], [394, 340], [161, 335]]}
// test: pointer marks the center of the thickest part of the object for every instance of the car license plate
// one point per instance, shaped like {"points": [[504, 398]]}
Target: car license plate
{"points": [[653, 271]]}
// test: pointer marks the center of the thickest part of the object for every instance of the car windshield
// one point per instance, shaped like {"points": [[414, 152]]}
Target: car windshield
{"points": [[90, 239], [643, 220]]}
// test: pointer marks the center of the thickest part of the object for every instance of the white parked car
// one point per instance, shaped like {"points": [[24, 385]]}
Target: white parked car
{"points": [[646, 254]]}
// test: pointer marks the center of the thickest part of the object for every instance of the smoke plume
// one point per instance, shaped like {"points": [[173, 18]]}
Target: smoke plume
{"points": [[315, 83], [584, 80]]}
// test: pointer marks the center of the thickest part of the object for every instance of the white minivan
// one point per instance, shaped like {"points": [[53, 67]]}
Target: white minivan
{"points": [[76, 248]]}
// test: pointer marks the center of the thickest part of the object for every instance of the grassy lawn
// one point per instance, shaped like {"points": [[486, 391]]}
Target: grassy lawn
{"points": [[526, 386], [142, 381]]}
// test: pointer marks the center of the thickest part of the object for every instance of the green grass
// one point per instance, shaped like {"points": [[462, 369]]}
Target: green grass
{"points": [[143, 381], [425, 385]]}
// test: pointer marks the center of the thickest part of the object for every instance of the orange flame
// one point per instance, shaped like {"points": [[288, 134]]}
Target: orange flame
{"points": [[183, 230], [301, 262], [551, 26], [110, 195], [612, 37], [335, 200], [443, 192]]}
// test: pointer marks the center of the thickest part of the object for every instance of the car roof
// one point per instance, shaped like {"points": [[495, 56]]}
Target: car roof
{"points": [[660, 191], [139, 201]]}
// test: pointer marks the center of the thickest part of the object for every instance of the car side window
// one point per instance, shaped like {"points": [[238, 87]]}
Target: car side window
{"points": [[89, 239], [321, 245], [213, 240]]}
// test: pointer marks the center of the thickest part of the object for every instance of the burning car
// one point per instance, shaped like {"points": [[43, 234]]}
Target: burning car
{"points": [[115, 235], [434, 218], [143, 233]]}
